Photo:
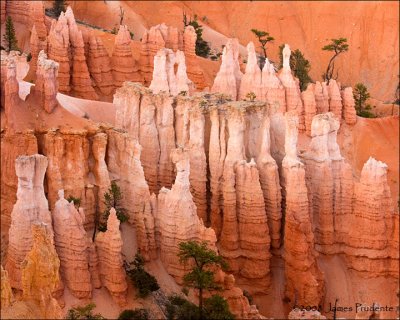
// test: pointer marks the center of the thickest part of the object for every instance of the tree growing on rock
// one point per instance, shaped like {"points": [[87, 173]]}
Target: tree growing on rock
{"points": [[112, 199], [200, 277], [202, 48], [337, 46], [59, 6], [263, 37], [361, 95], [9, 38], [299, 65]]}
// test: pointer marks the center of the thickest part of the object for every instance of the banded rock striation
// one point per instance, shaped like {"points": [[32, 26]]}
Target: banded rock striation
{"points": [[112, 273]]}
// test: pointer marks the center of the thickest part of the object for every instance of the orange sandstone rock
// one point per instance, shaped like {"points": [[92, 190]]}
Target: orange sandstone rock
{"points": [[123, 64], [349, 111], [304, 280], [71, 245], [229, 75], [109, 246], [40, 272], [177, 219], [31, 207]]}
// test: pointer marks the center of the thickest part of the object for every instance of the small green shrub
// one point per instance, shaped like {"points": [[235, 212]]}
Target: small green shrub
{"points": [[251, 96], [132, 35], [179, 308], [79, 313], [112, 199], [217, 308], [143, 281], [29, 57], [76, 201], [137, 314]]}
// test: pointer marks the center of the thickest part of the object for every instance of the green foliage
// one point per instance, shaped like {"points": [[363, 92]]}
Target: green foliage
{"points": [[112, 199], [132, 35], [338, 46], [29, 57], [251, 96], [58, 7], [137, 314], [299, 65], [263, 37], [203, 258], [9, 38], [361, 95], [217, 308], [183, 93], [202, 47], [76, 201], [143, 281], [85, 312]]}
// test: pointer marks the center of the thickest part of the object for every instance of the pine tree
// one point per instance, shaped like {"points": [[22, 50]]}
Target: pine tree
{"points": [[59, 6], [338, 46], [202, 48], [9, 38], [299, 65], [263, 37], [361, 95]]}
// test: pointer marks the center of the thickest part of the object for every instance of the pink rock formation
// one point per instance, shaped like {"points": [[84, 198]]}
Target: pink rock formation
{"points": [[123, 64], [247, 252], [2, 12], [373, 215], [251, 80], [229, 75], [46, 82], [293, 95], [273, 92], [80, 77], [38, 40], [217, 154], [162, 36], [12, 146], [349, 111], [152, 41], [157, 134], [68, 153], [71, 245], [254, 240], [31, 207], [164, 61], [238, 303], [59, 51], [19, 11], [310, 107], [123, 160], [40, 272], [109, 246], [269, 180], [177, 219], [99, 65], [94, 264], [304, 280], [164, 76], [335, 100], [321, 97], [195, 73], [99, 168]]}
